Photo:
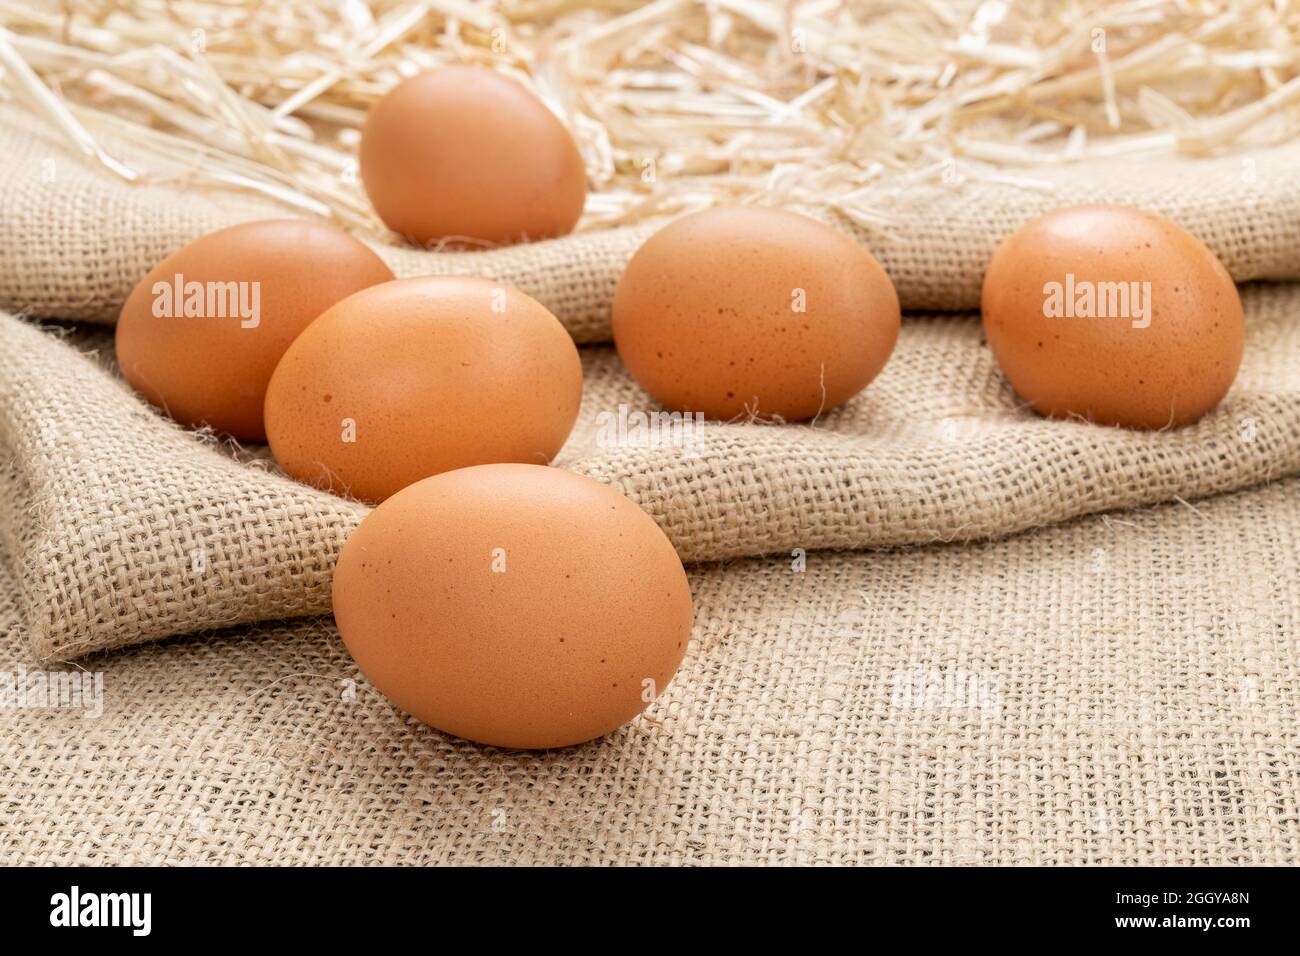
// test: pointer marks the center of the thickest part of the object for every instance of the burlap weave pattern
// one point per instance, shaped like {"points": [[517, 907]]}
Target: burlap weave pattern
{"points": [[1119, 689], [75, 239], [127, 528]]}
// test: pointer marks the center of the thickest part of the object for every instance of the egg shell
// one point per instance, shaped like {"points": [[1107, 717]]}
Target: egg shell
{"points": [[707, 315], [1166, 368], [514, 605], [464, 151], [214, 368], [419, 376]]}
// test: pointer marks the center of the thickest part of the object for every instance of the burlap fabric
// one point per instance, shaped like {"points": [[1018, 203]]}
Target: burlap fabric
{"points": [[1116, 688], [75, 239], [125, 528], [1119, 689]]}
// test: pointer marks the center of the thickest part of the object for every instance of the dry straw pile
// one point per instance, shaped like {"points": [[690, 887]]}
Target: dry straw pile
{"points": [[676, 104]]}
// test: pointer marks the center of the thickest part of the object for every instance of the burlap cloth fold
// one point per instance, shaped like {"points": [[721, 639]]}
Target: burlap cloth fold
{"points": [[124, 527], [1117, 688], [74, 239]]}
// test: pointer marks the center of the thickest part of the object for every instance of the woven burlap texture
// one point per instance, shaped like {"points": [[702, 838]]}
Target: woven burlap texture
{"points": [[125, 527], [1120, 689], [74, 238]]}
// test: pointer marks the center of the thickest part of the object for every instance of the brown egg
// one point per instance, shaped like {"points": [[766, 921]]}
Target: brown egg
{"points": [[514, 605], [463, 151], [1114, 315], [419, 376], [741, 311], [201, 334]]}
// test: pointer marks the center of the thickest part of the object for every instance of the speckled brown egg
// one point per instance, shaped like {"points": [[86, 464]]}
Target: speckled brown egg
{"points": [[465, 152], [514, 605], [1114, 315], [742, 312], [419, 376], [200, 335]]}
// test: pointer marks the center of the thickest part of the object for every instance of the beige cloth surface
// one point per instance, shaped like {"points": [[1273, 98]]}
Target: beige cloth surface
{"points": [[1119, 689], [124, 527], [75, 239]]}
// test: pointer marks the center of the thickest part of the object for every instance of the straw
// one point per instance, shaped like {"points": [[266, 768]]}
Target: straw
{"points": [[675, 104]]}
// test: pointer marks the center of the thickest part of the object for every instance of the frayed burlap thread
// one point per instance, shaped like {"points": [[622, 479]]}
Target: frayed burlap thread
{"points": [[125, 528]]}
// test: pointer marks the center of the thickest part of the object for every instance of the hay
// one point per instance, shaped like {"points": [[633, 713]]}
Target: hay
{"points": [[675, 104]]}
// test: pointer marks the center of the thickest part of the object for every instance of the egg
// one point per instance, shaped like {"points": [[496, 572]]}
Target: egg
{"points": [[466, 152], [514, 605], [1113, 315], [419, 376], [741, 312], [200, 335]]}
